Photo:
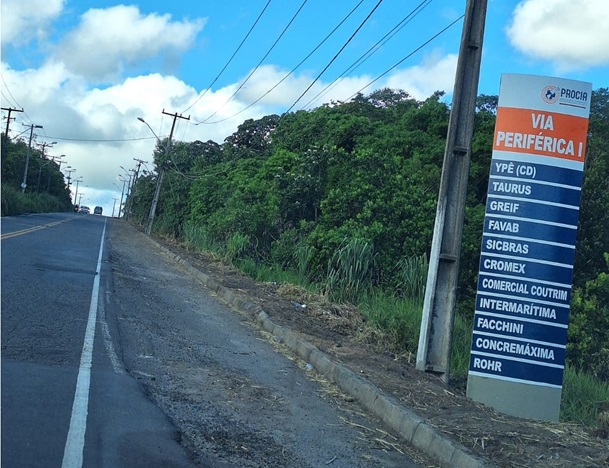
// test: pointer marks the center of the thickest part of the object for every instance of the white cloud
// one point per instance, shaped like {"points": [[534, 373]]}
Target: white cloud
{"points": [[570, 34], [107, 40], [22, 22], [435, 73], [69, 96]]}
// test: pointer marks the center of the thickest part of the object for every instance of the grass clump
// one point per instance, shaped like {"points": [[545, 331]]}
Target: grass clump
{"points": [[585, 400], [393, 317], [197, 237], [350, 271]]}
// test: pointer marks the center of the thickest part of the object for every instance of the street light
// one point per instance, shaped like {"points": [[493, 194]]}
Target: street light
{"points": [[58, 161], [143, 121], [47, 145], [58, 158], [159, 180], [77, 182], [122, 195], [44, 146]]}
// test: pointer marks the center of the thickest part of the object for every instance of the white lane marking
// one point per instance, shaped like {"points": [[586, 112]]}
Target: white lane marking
{"points": [[114, 360], [75, 443]]}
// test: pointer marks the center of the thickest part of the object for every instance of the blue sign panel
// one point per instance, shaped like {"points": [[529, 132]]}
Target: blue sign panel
{"points": [[522, 309], [517, 370], [528, 245], [529, 171], [529, 248], [526, 269], [549, 233], [520, 327]]}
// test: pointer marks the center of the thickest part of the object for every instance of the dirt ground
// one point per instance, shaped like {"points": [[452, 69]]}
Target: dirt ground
{"points": [[336, 330]]}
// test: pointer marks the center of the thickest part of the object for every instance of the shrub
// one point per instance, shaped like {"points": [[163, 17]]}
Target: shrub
{"points": [[350, 271]]}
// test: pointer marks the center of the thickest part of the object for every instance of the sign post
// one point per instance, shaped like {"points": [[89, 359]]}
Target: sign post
{"points": [[528, 246]]}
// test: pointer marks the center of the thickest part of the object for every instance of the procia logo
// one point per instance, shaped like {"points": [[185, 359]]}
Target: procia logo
{"points": [[550, 94], [566, 96]]}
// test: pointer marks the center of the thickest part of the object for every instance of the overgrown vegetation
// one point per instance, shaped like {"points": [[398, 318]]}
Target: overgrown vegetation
{"points": [[342, 199], [46, 190]]}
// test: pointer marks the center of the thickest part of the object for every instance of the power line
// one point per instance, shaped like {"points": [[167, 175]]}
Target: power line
{"points": [[407, 19], [408, 56], [372, 50], [8, 118], [336, 56], [9, 92], [13, 98], [6, 98], [19, 134], [112, 140], [293, 69], [231, 58], [260, 63]]}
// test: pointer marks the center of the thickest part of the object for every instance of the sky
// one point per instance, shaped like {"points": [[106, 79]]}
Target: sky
{"points": [[87, 70]]}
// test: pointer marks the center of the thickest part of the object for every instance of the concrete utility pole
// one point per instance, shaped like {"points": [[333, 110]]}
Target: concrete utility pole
{"points": [[129, 173], [120, 206], [159, 180], [27, 158], [43, 163], [135, 176], [54, 159], [435, 339], [76, 193], [69, 170]]}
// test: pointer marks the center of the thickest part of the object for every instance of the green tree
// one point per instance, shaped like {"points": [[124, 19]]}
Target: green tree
{"points": [[593, 228], [46, 188], [588, 340]]}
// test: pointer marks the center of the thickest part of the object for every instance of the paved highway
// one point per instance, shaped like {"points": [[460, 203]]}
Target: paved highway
{"points": [[114, 357], [58, 380]]}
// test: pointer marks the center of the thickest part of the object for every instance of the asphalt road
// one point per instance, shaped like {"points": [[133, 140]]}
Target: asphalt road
{"points": [[49, 266], [112, 356]]}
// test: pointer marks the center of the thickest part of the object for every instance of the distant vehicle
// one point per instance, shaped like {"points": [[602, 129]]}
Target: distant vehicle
{"points": [[98, 210], [84, 209]]}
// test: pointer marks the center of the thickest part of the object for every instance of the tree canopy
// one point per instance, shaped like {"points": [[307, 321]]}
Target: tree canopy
{"points": [[368, 169]]}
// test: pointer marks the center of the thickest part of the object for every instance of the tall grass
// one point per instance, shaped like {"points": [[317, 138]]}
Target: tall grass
{"points": [[236, 246], [397, 319], [350, 269], [303, 255], [410, 277], [585, 400], [13, 202], [460, 351], [268, 273], [198, 238], [394, 317]]}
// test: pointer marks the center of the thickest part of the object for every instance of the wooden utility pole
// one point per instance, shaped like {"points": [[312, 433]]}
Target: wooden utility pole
{"points": [[8, 122], [435, 339], [159, 179], [8, 118]]}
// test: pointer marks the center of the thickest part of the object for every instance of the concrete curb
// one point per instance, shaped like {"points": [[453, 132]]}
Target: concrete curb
{"points": [[403, 422]]}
